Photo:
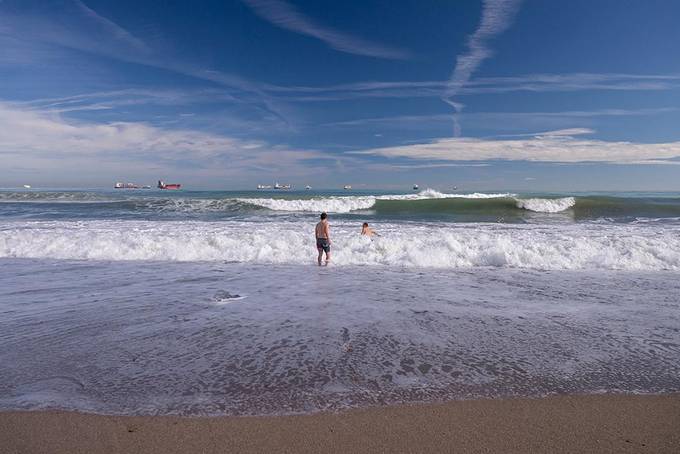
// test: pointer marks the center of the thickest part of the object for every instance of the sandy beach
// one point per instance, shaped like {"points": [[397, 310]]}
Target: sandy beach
{"points": [[602, 424]]}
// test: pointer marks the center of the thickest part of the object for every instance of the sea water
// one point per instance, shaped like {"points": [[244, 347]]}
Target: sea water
{"points": [[157, 302]]}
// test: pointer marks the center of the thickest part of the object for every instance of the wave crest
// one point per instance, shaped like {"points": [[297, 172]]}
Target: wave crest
{"points": [[346, 204], [546, 205], [330, 204]]}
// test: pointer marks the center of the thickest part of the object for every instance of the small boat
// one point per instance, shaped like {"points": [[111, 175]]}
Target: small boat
{"points": [[264, 186], [308, 187], [163, 185], [27, 186], [281, 186], [415, 187], [455, 188], [347, 187]]}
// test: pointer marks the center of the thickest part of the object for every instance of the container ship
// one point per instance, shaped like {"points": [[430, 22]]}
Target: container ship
{"points": [[164, 185]]}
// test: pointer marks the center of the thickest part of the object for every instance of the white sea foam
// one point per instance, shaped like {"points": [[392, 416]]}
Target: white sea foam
{"points": [[578, 246], [546, 205]]}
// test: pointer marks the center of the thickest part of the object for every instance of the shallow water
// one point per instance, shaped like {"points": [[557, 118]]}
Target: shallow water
{"points": [[208, 338], [157, 302]]}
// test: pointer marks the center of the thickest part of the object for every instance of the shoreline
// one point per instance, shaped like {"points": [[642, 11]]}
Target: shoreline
{"points": [[577, 423]]}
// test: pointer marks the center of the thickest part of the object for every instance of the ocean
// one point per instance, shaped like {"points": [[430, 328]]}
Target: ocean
{"points": [[211, 303]]}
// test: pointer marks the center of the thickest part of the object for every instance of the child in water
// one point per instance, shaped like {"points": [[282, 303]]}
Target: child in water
{"points": [[366, 230]]}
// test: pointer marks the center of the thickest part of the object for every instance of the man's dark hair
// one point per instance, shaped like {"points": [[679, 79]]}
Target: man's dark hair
{"points": [[323, 215], [365, 224]]}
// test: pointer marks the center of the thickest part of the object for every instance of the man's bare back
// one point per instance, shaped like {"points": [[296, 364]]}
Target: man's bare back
{"points": [[322, 234], [322, 229]]}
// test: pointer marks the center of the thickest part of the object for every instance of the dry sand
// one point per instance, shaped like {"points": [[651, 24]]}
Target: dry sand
{"points": [[588, 424]]}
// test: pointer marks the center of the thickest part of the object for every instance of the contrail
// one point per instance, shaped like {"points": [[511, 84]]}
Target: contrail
{"points": [[286, 16], [497, 16]]}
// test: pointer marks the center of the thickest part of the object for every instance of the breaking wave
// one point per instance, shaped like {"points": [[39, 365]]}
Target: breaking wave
{"points": [[347, 204], [329, 204], [479, 206], [546, 205], [575, 247]]}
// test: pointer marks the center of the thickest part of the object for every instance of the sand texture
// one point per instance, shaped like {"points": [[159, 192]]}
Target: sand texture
{"points": [[597, 424]]}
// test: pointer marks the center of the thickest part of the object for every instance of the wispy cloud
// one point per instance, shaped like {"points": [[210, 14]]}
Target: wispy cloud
{"points": [[497, 16], [127, 97], [38, 35], [46, 139], [537, 83], [436, 165], [286, 16], [420, 121], [562, 146]]}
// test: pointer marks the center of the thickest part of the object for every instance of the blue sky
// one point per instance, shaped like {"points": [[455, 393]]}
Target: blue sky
{"points": [[495, 94]]}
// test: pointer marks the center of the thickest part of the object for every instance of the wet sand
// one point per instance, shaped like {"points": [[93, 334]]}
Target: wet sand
{"points": [[602, 424]]}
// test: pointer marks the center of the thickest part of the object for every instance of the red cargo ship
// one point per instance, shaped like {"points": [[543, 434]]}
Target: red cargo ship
{"points": [[163, 185]]}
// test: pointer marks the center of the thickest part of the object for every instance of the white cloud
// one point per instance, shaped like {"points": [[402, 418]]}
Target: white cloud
{"points": [[45, 139], [570, 132], [286, 16], [557, 146], [436, 165], [488, 119]]}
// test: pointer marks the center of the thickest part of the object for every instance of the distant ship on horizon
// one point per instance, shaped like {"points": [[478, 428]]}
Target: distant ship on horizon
{"points": [[163, 185], [120, 185]]}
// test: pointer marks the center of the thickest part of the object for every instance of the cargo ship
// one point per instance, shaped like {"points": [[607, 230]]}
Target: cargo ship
{"points": [[163, 185]]}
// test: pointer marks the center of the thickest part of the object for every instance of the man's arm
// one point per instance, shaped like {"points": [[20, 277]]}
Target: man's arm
{"points": [[327, 231]]}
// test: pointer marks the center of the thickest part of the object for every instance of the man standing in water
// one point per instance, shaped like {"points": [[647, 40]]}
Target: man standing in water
{"points": [[323, 238]]}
